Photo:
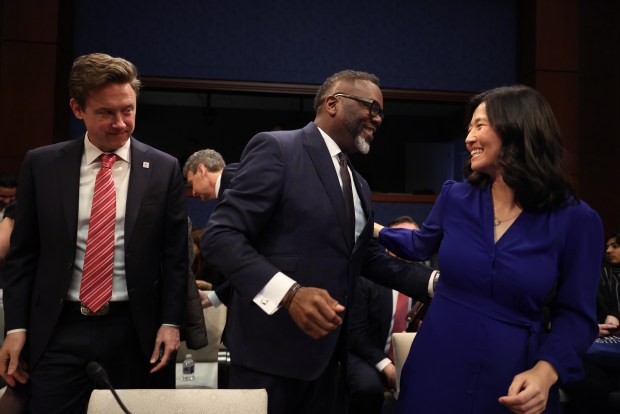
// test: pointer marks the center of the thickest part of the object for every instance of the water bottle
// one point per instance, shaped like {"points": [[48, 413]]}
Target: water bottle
{"points": [[188, 368]]}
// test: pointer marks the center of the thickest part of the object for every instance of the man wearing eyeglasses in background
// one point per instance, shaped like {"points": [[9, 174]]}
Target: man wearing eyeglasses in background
{"points": [[292, 237]]}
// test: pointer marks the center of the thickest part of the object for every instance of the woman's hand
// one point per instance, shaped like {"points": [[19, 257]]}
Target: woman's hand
{"points": [[378, 227], [529, 390], [609, 327], [605, 329]]}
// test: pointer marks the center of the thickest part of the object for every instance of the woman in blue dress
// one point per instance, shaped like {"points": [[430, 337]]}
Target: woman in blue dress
{"points": [[512, 240]]}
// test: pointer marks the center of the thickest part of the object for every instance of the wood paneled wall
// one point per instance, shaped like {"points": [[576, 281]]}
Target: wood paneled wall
{"points": [[35, 48], [570, 52]]}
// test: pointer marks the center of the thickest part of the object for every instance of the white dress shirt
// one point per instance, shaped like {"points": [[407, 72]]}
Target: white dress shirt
{"points": [[120, 173]]}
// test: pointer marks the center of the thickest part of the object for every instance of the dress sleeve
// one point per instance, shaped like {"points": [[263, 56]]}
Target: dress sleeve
{"points": [[573, 311], [419, 245]]}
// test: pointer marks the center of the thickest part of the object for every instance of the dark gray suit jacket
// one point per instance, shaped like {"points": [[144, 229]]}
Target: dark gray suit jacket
{"points": [[39, 266]]}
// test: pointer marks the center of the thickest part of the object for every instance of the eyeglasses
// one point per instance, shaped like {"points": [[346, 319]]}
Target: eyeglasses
{"points": [[372, 105]]}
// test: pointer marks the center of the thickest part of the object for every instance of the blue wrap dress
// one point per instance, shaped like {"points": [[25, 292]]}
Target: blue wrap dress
{"points": [[485, 324]]}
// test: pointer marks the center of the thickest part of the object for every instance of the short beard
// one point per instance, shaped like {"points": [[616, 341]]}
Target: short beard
{"points": [[362, 146]]}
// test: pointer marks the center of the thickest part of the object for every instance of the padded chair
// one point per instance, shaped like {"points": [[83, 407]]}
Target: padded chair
{"points": [[402, 344], [215, 319], [190, 401]]}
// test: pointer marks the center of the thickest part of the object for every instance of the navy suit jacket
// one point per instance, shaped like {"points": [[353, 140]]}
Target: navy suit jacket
{"points": [[40, 264], [284, 211], [370, 320]]}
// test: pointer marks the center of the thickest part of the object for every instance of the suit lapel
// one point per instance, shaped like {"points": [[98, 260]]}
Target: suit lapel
{"points": [[316, 148], [67, 168], [141, 166]]}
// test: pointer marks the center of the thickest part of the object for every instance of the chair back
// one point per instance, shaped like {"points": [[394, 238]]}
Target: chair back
{"points": [[215, 320], [402, 344]]}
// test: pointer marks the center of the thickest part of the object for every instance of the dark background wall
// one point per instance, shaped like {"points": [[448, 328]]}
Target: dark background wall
{"points": [[430, 56], [415, 44], [446, 45]]}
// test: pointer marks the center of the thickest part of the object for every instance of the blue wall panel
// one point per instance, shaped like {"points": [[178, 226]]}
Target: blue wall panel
{"points": [[420, 44]]}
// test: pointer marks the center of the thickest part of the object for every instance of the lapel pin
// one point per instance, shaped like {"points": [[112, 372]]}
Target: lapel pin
{"points": [[145, 164]]}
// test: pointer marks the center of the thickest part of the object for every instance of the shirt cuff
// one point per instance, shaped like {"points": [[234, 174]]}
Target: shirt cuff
{"points": [[269, 298], [213, 298], [382, 364], [16, 330]]}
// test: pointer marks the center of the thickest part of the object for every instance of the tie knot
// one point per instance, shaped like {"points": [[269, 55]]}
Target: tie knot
{"points": [[342, 158], [107, 160]]}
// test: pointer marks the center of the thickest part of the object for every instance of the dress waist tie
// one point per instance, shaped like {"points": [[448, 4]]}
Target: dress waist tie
{"points": [[500, 313]]}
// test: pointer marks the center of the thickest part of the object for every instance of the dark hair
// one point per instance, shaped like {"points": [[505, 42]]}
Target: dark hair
{"points": [[532, 157], [401, 220], [615, 235], [89, 72], [7, 180], [345, 75]]}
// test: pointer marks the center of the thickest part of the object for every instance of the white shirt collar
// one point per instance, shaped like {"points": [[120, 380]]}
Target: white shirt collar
{"points": [[92, 153], [218, 183], [333, 148]]}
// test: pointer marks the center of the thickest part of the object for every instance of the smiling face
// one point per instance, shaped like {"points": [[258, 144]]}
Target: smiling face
{"points": [[483, 143], [356, 124], [109, 115]]}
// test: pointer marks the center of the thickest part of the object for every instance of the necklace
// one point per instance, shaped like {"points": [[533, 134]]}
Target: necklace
{"points": [[497, 221]]}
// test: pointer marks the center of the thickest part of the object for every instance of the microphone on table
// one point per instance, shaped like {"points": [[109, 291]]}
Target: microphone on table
{"points": [[96, 372]]}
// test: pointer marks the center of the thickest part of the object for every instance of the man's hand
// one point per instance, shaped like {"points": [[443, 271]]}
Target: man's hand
{"points": [[529, 390], [12, 368], [168, 341], [315, 312], [389, 372], [202, 285], [204, 299], [376, 229]]}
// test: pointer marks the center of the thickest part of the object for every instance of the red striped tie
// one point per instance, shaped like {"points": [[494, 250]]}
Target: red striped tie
{"points": [[96, 287], [400, 319]]}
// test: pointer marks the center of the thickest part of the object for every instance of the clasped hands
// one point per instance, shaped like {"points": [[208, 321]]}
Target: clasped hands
{"points": [[314, 311]]}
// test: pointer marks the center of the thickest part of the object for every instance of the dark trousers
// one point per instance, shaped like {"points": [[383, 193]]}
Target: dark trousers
{"points": [[59, 382], [287, 395], [365, 385]]}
